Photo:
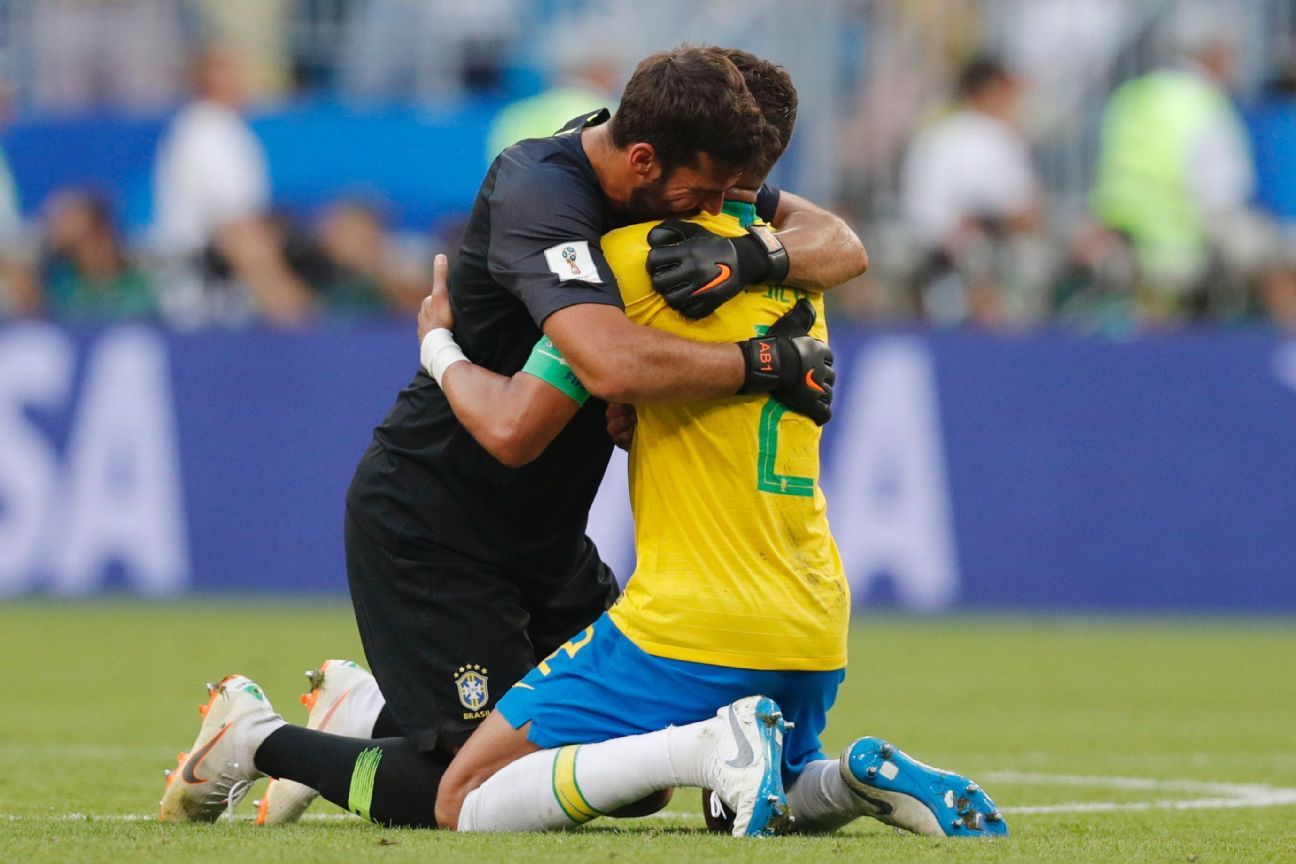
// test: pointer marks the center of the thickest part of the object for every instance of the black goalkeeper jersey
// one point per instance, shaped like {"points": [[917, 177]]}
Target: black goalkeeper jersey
{"points": [[531, 247]]}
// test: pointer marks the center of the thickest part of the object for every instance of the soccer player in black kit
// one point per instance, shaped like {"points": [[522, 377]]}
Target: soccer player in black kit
{"points": [[463, 572]]}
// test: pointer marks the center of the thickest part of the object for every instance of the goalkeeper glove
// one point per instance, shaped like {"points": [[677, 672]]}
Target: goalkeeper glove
{"points": [[792, 366], [697, 271]]}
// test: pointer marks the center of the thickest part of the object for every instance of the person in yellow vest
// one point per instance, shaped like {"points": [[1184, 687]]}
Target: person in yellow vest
{"points": [[739, 590], [1175, 176], [588, 79]]}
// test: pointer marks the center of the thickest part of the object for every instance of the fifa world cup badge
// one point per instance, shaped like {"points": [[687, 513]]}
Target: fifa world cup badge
{"points": [[573, 260], [569, 255], [471, 682]]}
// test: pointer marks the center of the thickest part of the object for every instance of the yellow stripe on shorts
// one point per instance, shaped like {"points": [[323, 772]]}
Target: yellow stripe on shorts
{"points": [[567, 791]]}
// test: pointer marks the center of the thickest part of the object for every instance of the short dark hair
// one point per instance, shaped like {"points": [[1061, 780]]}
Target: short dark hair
{"points": [[771, 86], [980, 73], [687, 101]]}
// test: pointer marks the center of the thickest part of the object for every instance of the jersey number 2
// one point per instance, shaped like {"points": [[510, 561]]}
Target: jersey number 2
{"points": [[767, 479]]}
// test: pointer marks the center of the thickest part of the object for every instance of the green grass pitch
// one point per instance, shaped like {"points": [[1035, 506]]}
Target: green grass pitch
{"points": [[1103, 740]]}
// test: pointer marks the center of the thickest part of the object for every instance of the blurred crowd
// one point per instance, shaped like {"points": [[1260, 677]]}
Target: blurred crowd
{"points": [[217, 253], [965, 227], [1168, 231]]}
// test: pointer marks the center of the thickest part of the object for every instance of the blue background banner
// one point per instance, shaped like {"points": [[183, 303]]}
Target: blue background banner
{"points": [[964, 471]]}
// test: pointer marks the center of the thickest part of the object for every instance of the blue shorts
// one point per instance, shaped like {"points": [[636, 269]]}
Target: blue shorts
{"points": [[600, 685]]}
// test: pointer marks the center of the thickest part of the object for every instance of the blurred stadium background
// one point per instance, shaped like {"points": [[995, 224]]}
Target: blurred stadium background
{"points": [[1068, 381]]}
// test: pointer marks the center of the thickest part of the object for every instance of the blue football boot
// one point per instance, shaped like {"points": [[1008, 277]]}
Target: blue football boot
{"points": [[907, 794]]}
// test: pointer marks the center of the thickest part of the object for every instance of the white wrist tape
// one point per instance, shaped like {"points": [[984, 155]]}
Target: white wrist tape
{"points": [[439, 352]]}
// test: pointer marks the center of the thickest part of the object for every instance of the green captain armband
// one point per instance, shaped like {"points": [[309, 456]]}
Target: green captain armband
{"points": [[546, 363]]}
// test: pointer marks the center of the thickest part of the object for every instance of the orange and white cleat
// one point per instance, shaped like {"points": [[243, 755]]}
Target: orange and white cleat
{"points": [[214, 775], [344, 699]]}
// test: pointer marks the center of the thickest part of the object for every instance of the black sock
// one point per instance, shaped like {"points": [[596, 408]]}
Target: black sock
{"points": [[386, 726], [384, 780]]}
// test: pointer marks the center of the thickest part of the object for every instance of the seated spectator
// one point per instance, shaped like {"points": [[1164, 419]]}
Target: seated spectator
{"points": [[370, 270], [971, 198], [353, 264], [222, 260], [87, 276]]}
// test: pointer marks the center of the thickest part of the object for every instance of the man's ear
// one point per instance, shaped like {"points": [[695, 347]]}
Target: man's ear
{"points": [[643, 161]]}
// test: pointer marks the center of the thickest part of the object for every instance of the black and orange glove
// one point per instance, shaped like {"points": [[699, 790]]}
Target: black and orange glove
{"points": [[791, 365], [696, 271]]}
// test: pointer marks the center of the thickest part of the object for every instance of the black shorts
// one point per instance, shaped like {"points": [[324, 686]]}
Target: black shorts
{"points": [[447, 636]]}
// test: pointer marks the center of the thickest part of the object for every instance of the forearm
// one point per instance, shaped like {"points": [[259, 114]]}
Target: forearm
{"points": [[513, 418], [620, 361], [823, 251], [503, 413], [655, 367]]}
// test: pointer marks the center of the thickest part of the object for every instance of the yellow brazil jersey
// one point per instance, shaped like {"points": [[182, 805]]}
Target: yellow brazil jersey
{"points": [[736, 566]]}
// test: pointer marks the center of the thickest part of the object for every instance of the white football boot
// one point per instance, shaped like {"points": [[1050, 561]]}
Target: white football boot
{"points": [[747, 766], [344, 699], [215, 774]]}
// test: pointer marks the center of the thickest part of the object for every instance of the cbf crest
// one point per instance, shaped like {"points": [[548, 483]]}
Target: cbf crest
{"points": [[472, 684]]}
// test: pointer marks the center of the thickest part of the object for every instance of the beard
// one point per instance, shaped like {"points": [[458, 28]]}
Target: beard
{"points": [[648, 202]]}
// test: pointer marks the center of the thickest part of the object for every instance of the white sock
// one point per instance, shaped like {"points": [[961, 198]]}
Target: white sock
{"points": [[572, 785], [821, 800]]}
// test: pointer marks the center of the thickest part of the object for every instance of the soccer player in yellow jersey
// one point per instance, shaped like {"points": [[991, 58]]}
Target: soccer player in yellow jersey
{"points": [[761, 586], [738, 591]]}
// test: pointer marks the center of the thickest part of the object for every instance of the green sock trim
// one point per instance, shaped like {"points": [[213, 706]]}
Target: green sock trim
{"points": [[360, 797]]}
